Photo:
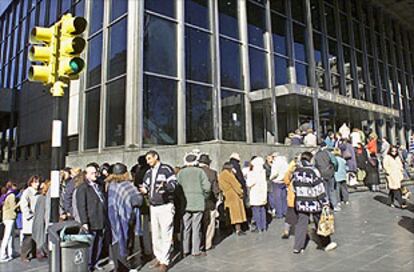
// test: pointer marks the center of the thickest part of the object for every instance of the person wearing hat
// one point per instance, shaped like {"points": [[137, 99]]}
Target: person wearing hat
{"points": [[235, 162], [160, 183], [310, 138], [124, 202], [210, 212], [196, 189]]}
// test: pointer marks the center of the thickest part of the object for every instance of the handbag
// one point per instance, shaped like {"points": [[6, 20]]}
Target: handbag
{"points": [[326, 223]]}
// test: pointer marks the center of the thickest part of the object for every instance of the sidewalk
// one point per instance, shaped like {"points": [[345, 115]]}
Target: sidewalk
{"points": [[370, 235]]}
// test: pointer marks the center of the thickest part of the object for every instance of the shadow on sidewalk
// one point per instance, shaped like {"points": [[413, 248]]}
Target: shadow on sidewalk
{"points": [[407, 223], [384, 200]]}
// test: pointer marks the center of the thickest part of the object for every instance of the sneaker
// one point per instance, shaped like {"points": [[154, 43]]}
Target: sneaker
{"points": [[240, 233], [339, 204], [297, 251], [6, 260], [285, 235], [347, 203], [337, 209], [404, 206], [392, 205], [331, 246]]}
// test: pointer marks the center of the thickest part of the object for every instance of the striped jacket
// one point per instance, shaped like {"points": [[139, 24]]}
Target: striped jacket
{"points": [[309, 190], [162, 190]]}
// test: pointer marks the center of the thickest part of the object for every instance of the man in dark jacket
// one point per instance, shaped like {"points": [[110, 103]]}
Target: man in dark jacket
{"points": [[326, 163], [91, 208], [210, 211], [160, 183]]}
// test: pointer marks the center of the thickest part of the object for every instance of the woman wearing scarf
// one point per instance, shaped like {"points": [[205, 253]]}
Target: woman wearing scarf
{"points": [[393, 168], [124, 201], [9, 205]]}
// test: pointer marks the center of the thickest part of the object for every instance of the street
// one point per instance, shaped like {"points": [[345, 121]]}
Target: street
{"points": [[371, 236]]}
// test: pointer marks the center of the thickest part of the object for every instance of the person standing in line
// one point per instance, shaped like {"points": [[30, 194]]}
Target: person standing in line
{"points": [[355, 137], [142, 168], [310, 139], [68, 194], [233, 197], [256, 182], [271, 201], [27, 205], [91, 206], [330, 140], [160, 183], [310, 198], [124, 202], [340, 179], [297, 138], [279, 168], [196, 189], [9, 207], [210, 211], [291, 215], [326, 164], [393, 168], [41, 220]]}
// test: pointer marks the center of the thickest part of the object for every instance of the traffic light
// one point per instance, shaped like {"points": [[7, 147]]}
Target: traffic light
{"points": [[42, 51], [71, 45]]}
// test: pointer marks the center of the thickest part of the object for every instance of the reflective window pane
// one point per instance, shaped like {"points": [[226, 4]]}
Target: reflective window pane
{"points": [[197, 55], [117, 49], [315, 13], [115, 113], [160, 46], [118, 8], [228, 18], [301, 74], [280, 70], [161, 6], [256, 24], [330, 21], [80, 8], [279, 34], [232, 113], [92, 109], [96, 20], [278, 5], [160, 111], [317, 45], [196, 13], [52, 12], [94, 65], [298, 10], [299, 42], [230, 64], [199, 113], [258, 69], [66, 5], [344, 29]]}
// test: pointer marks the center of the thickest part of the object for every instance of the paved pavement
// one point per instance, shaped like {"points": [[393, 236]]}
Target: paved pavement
{"points": [[370, 235]]}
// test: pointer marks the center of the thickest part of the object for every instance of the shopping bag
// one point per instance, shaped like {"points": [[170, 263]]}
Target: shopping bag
{"points": [[326, 223]]}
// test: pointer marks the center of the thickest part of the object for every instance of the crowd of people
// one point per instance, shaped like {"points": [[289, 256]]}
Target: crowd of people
{"points": [[159, 210]]}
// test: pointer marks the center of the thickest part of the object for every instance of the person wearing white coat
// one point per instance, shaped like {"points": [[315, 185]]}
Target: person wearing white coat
{"points": [[27, 206], [256, 181]]}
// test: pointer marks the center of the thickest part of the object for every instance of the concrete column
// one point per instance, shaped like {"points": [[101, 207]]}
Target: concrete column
{"points": [[134, 79], [181, 127], [271, 72], [215, 44], [393, 134], [382, 128], [291, 72], [245, 67], [402, 136]]}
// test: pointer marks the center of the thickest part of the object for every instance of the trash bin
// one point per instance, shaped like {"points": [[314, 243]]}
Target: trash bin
{"points": [[74, 247], [69, 247]]}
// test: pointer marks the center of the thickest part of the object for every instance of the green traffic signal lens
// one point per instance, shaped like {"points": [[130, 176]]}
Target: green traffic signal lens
{"points": [[76, 65]]}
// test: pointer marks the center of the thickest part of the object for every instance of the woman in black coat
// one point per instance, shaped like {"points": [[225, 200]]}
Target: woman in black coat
{"points": [[370, 165]]}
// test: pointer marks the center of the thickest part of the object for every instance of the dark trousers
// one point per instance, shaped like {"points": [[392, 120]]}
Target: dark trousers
{"points": [[281, 201], [95, 248], [28, 247], [342, 191], [259, 216], [301, 231], [395, 194], [272, 196]]}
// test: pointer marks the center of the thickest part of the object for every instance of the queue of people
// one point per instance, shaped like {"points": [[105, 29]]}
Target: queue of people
{"points": [[158, 210]]}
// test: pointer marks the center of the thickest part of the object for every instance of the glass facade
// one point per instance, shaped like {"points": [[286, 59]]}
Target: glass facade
{"points": [[199, 56]]}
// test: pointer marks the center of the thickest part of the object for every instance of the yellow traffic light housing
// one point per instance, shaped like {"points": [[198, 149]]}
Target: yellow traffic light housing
{"points": [[58, 49], [71, 47], [43, 42]]}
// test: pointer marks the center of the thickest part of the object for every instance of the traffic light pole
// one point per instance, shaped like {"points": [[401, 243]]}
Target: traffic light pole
{"points": [[57, 124]]}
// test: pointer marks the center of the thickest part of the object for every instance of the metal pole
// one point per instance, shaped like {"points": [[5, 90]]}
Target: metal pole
{"points": [[55, 159]]}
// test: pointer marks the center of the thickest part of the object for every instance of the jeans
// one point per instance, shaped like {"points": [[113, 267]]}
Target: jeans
{"points": [[6, 249], [95, 248], [281, 201], [259, 216], [330, 191]]}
